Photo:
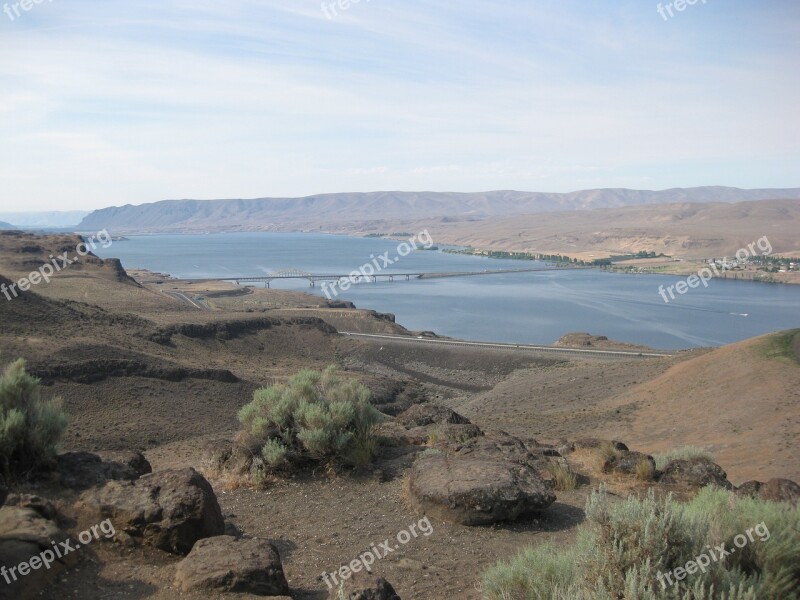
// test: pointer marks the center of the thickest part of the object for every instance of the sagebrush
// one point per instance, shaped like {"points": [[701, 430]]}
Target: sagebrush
{"points": [[30, 427], [316, 417], [622, 547]]}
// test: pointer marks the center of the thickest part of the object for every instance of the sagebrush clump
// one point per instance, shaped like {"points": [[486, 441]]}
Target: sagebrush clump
{"points": [[622, 547], [317, 417], [684, 453], [30, 428]]}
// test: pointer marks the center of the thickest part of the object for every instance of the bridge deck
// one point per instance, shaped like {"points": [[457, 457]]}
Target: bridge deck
{"points": [[383, 274]]}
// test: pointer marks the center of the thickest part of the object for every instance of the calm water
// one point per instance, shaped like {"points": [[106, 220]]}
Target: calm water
{"points": [[518, 308]]}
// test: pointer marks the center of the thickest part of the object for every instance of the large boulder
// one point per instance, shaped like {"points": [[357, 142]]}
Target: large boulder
{"points": [[170, 510], [228, 564], [26, 537], [83, 470], [775, 490], [363, 586], [421, 415], [475, 491], [695, 472]]}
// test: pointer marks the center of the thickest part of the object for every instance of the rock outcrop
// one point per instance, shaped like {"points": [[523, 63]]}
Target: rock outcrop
{"points": [[695, 473], [364, 586], [774, 490], [170, 510], [228, 564]]}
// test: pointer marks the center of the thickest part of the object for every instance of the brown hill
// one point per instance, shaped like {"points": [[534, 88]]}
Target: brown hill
{"points": [[684, 230], [740, 402]]}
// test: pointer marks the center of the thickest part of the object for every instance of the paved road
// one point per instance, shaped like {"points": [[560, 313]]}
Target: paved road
{"points": [[583, 352], [181, 297]]}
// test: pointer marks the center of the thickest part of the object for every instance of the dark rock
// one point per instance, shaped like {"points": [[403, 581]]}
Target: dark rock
{"points": [[475, 491], [421, 415], [781, 490], [775, 490], [695, 473], [627, 463], [3, 491], [749, 489], [132, 459], [364, 586], [25, 534], [170, 510], [227, 564], [82, 470]]}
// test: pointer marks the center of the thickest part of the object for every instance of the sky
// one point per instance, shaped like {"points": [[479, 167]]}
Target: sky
{"points": [[128, 102]]}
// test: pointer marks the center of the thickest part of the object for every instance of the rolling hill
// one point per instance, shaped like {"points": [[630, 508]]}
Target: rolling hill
{"points": [[329, 211]]}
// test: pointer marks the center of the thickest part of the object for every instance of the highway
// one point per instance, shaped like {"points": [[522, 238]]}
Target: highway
{"points": [[583, 352]]}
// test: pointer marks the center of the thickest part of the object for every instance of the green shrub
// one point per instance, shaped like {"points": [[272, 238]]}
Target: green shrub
{"points": [[622, 548], [30, 427], [315, 417], [685, 453]]}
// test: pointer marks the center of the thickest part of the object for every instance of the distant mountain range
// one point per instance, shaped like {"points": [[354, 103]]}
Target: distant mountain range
{"points": [[331, 211], [4, 225], [45, 219]]}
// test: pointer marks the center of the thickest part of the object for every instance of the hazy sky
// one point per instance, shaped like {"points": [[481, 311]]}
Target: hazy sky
{"points": [[108, 103]]}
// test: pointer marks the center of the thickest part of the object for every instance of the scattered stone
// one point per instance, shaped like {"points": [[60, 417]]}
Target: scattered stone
{"points": [[695, 472], [364, 586], [228, 564], [25, 534], [775, 490], [421, 415], [170, 510], [476, 491]]}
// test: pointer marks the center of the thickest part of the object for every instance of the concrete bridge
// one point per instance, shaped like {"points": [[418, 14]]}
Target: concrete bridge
{"points": [[313, 278]]}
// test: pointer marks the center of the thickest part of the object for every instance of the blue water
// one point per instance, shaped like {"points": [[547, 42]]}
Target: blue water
{"points": [[535, 308]]}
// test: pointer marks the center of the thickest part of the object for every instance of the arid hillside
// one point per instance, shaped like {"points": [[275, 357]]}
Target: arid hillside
{"points": [[740, 402], [682, 230]]}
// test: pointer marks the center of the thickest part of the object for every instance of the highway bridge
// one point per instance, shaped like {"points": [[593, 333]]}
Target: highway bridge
{"points": [[354, 276]]}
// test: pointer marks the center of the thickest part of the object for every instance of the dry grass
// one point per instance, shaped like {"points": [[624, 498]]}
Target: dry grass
{"points": [[564, 479]]}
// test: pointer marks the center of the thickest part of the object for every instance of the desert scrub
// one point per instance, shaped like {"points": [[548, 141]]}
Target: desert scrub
{"points": [[685, 453], [564, 479], [622, 547], [316, 417], [606, 453], [645, 470], [30, 427]]}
